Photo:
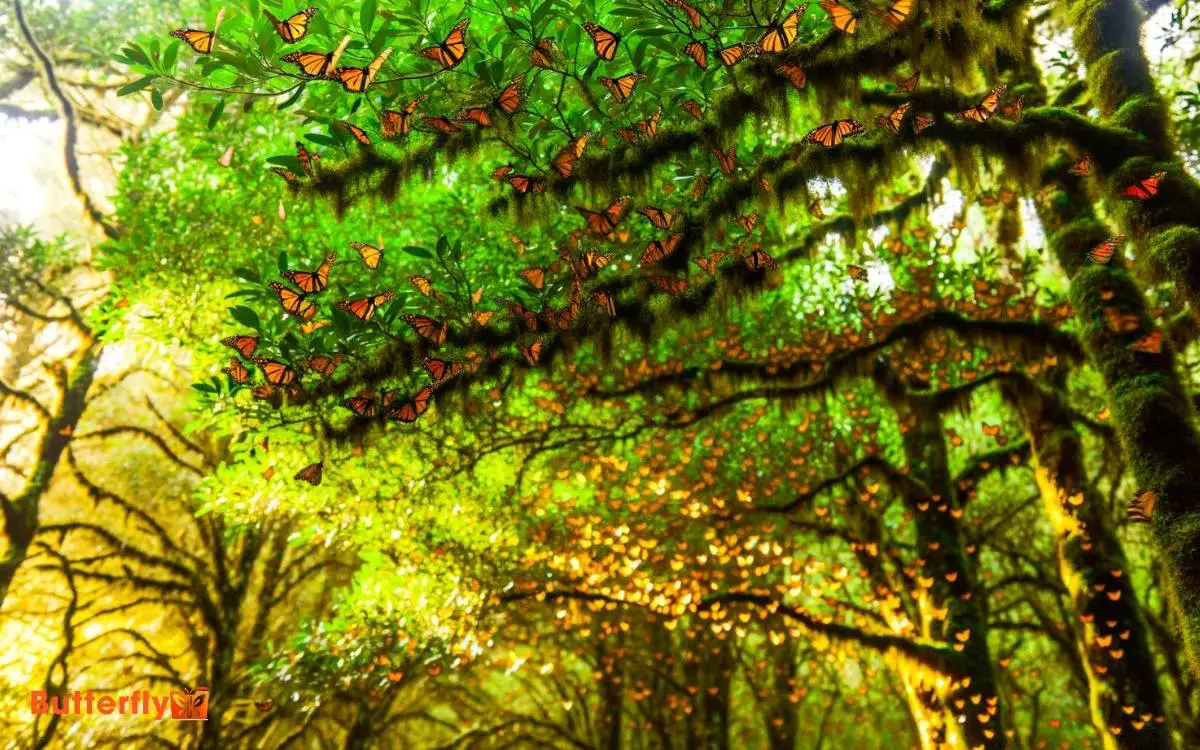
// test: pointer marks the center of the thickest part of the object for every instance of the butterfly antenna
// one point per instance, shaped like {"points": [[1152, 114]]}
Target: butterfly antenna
{"points": [[337, 53]]}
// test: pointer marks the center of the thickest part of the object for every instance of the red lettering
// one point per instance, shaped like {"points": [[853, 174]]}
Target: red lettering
{"points": [[37, 702], [105, 704]]}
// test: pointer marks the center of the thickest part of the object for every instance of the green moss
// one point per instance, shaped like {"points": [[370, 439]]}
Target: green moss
{"points": [[1174, 255]]}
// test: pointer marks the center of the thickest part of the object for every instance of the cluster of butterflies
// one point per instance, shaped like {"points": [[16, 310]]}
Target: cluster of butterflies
{"points": [[448, 53]]}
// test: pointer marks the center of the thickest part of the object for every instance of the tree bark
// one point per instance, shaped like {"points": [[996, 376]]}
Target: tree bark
{"points": [[1116, 659]]}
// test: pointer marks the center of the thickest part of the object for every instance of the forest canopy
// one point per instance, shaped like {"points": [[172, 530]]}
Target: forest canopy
{"points": [[646, 374]]}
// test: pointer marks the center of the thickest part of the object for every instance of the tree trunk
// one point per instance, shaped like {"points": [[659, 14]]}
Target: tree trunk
{"points": [[1151, 410], [21, 512], [973, 702], [1116, 658]]}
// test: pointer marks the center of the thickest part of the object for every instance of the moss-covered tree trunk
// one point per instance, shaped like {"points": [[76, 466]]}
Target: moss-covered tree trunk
{"points": [[1151, 410], [1153, 413], [1110, 634], [946, 578]]}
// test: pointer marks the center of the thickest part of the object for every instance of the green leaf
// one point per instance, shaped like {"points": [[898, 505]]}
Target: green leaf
{"points": [[295, 97], [246, 316], [156, 99], [366, 16], [170, 56], [419, 252], [443, 245], [216, 114], [283, 261], [134, 86]]}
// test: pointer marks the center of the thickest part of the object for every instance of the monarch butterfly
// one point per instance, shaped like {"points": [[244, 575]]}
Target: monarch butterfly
{"points": [[1013, 109], [243, 345], [535, 276], [814, 209], [315, 64], [528, 317], [909, 85], [441, 370], [531, 352], [1141, 507], [450, 52], [363, 405], [1103, 253], [605, 302], [586, 263], [509, 100], [757, 260], [1151, 343], [543, 53], [564, 161], [982, 111], [699, 187], [364, 308], [657, 217], [794, 73], [356, 80], [399, 122], [427, 328], [698, 52], [622, 87], [277, 373], [442, 124], [1144, 189], [309, 327], [828, 136], [1120, 322], [629, 135], [264, 706], [322, 364], [896, 14], [603, 41], [1083, 167], [312, 282], [201, 41], [423, 285], [921, 120], [780, 37], [481, 317], [671, 286], [288, 175], [359, 134], [412, 409], [308, 160], [237, 371], [709, 264], [294, 28], [857, 273], [747, 222], [693, 15], [477, 115], [692, 108], [649, 126], [603, 223], [893, 121], [843, 18], [523, 183], [563, 319], [735, 53], [657, 250], [371, 255], [725, 159], [312, 475], [293, 302]]}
